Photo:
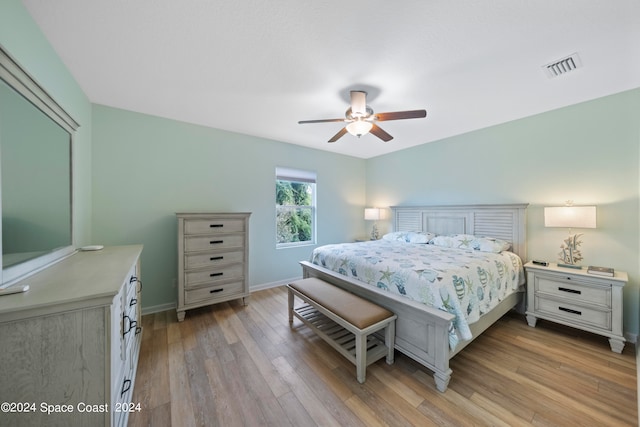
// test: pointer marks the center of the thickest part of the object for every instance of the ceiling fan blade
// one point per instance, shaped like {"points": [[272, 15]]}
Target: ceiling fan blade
{"points": [[380, 133], [338, 135], [398, 115], [320, 121], [358, 103]]}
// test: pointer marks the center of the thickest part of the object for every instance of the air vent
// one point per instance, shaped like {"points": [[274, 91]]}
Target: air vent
{"points": [[563, 66]]}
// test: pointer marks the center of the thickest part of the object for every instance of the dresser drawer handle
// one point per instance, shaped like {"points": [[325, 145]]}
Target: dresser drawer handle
{"points": [[571, 291], [135, 279], [132, 325], [568, 310], [126, 385], [133, 302], [216, 225], [215, 274], [213, 291], [216, 242], [216, 258]]}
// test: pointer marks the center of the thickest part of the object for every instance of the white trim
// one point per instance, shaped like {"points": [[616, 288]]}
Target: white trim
{"points": [[295, 175], [270, 285], [159, 308]]}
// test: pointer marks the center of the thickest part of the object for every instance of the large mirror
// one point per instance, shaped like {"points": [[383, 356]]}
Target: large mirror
{"points": [[35, 175]]}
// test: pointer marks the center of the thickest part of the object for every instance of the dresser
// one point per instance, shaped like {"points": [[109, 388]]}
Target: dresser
{"points": [[69, 346], [576, 298], [213, 255]]}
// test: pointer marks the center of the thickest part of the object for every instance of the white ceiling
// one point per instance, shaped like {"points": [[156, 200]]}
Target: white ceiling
{"points": [[258, 67]]}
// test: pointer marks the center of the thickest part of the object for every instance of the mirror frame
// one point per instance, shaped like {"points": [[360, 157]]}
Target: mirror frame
{"points": [[20, 81]]}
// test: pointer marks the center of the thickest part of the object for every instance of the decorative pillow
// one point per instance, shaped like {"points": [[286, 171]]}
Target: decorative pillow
{"points": [[409, 237], [460, 241], [420, 237], [399, 236], [489, 244], [471, 242]]}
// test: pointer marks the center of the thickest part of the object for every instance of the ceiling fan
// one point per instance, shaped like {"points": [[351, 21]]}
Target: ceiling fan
{"points": [[361, 120]]}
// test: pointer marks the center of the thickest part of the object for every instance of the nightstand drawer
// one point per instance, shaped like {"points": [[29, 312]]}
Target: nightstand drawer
{"points": [[577, 291], [574, 313]]}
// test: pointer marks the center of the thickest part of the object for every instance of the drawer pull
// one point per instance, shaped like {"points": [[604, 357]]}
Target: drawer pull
{"points": [[568, 310], [571, 291], [126, 385], [216, 258], [216, 225], [213, 291], [133, 302], [215, 274], [132, 324], [135, 279], [216, 242]]}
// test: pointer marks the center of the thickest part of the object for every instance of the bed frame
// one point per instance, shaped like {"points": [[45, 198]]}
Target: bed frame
{"points": [[422, 332]]}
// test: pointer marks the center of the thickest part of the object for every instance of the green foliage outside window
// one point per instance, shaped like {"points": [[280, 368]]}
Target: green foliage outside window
{"points": [[294, 211]]}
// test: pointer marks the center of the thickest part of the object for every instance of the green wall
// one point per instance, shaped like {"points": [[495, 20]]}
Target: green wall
{"points": [[145, 169], [588, 153]]}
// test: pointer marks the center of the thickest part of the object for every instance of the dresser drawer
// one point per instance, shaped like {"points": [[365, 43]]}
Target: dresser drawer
{"points": [[213, 226], [574, 313], [578, 292], [213, 292], [200, 260], [210, 275], [206, 243]]}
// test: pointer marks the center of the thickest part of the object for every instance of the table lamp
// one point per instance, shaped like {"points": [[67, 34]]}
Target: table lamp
{"points": [[570, 217], [373, 214]]}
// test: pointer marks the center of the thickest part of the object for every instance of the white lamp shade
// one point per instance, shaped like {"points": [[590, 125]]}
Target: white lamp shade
{"points": [[372, 214], [570, 216], [359, 127]]}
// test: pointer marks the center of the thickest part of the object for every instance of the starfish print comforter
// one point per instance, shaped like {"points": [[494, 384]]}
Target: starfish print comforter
{"points": [[464, 282]]}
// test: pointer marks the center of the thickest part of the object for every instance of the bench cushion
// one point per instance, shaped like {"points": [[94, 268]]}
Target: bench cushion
{"points": [[355, 310]]}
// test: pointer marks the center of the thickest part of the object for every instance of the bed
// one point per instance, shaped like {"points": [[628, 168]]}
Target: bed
{"points": [[463, 302]]}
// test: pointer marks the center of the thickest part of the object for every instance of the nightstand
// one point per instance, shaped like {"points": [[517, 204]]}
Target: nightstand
{"points": [[576, 298]]}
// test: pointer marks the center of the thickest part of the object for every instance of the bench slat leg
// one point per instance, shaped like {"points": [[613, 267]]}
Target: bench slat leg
{"points": [[291, 297], [361, 357], [389, 340]]}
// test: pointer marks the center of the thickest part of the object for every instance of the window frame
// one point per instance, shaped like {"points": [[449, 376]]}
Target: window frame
{"points": [[300, 177]]}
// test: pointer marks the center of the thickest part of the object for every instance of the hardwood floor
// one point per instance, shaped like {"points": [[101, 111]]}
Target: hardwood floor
{"points": [[234, 365]]}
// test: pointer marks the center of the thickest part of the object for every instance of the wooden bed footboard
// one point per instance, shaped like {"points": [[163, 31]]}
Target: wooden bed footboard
{"points": [[422, 332]]}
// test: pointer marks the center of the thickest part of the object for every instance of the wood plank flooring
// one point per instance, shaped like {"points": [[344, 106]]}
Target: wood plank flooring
{"points": [[234, 365]]}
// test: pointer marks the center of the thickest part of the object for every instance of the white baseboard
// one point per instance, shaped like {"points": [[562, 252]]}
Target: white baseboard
{"points": [[632, 338], [159, 308], [273, 284]]}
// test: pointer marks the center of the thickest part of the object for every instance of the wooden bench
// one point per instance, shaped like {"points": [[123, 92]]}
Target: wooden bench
{"points": [[345, 321]]}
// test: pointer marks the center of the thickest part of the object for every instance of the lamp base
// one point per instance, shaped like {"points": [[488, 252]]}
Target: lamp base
{"points": [[577, 267], [374, 232]]}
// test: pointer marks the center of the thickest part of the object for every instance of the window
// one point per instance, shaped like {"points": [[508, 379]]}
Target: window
{"points": [[295, 207]]}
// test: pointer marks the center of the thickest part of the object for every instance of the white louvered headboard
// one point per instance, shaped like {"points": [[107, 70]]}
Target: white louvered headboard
{"points": [[507, 222]]}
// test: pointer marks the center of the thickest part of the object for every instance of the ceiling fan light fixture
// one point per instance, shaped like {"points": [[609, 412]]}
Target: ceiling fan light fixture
{"points": [[359, 127]]}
